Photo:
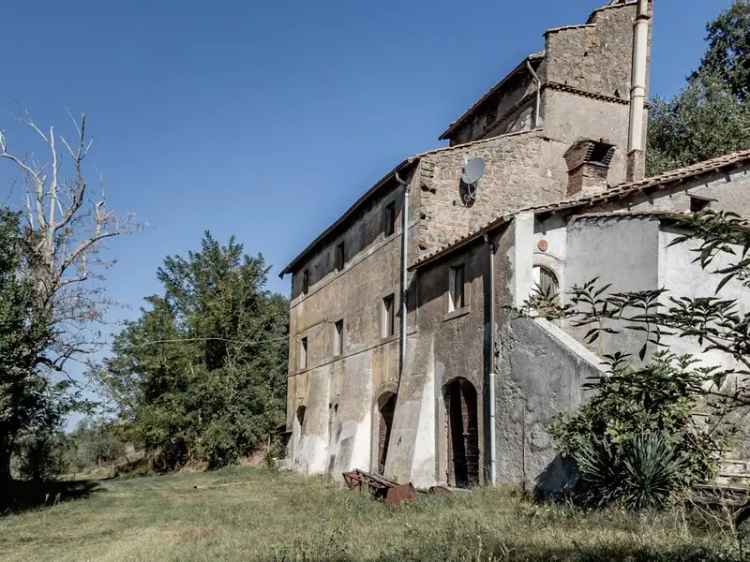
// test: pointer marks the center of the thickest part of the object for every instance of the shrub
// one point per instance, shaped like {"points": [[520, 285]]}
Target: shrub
{"points": [[39, 455], [636, 441]]}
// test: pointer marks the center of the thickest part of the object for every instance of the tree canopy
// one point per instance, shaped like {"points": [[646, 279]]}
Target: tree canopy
{"points": [[711, 115], [201, 375]]}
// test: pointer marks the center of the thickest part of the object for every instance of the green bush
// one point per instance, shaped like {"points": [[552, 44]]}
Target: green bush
{"points": [[636, 441], [39, 455]]}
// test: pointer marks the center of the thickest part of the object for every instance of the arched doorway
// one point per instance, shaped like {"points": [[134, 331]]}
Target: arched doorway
{"points": [[386, 409], [463, 434]]}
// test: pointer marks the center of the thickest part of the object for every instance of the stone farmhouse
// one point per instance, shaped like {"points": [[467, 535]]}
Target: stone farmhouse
{"points": [[405, 356]]}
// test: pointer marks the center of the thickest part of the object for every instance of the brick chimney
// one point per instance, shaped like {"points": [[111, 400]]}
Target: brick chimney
{"points": [[588, 166]]}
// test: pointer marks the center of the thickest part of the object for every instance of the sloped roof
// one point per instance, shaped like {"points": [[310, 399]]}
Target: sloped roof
{"points": [[489, 93], [412, 160], [661, 181], [347, 214]]}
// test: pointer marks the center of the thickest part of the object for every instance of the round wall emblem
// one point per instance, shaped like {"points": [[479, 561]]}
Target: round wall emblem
{"points": [[542, 245]]}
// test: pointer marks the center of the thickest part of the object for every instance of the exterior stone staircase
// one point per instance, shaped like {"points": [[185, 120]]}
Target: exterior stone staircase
{"points": [[734, 473]]}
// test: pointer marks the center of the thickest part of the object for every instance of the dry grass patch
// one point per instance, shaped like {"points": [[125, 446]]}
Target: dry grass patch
{"points": [[252, 514]]}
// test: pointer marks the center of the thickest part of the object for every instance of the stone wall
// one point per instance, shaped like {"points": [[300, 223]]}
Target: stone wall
{"points": [[507, 110], [596, 57], [521, 169]]}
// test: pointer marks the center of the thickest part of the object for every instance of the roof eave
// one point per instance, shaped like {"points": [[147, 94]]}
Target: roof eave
{"points": [[476, 105], [349, 212]]}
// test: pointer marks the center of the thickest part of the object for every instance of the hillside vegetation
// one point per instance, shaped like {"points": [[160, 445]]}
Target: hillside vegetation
{"points": [[254, 514]]}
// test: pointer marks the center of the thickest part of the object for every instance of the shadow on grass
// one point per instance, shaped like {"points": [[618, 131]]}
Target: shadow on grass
{"points": [[20, 496]]}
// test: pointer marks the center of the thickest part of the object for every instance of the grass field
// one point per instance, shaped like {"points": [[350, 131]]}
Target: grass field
{"points": [[254, 514]]}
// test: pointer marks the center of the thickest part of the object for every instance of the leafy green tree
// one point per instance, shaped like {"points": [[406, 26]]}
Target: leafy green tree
{"points": [[26, 397], [728, 54], [201, 376], [711, 115], [704, 121]]}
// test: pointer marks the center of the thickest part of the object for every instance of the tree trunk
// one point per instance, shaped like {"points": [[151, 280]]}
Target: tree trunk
{"points": [[5, 479], [5, 449]]}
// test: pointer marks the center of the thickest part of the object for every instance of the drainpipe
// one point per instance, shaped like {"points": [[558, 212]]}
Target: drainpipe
{"points": [[538, 92], [638, 91], [404, 265], [491, 382]]}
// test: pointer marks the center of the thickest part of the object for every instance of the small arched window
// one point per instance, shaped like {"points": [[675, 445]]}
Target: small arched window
{"points": [[546, 281]]}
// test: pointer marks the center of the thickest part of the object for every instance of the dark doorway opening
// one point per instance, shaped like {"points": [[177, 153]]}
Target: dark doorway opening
{"points": [[386, 407], [301, 419], [463, 434]]}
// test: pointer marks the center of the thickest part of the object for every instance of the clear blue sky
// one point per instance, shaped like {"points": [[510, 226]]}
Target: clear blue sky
{"points": [[267, 119]]}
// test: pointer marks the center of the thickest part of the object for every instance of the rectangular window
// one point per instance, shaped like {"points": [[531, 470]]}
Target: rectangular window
{"points": [[305, 281], [456, 288], [303, 353], [389, 316], [338, 338], [340, 256], [390, 218]]}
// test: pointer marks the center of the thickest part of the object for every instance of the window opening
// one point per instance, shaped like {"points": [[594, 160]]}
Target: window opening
{"points": [[338, 338], [303, 353], [456, 281], [340, 256], [390, 219], [388, 316]]}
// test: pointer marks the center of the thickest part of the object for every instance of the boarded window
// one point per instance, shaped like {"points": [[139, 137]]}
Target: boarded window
{"points": [[303, 353], [338, 338], [456, 282], [389, 316], [389, 219], [305, 281], [340, 256]]}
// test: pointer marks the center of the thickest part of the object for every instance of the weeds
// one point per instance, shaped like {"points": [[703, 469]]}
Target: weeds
{"points": [[257, 514]]}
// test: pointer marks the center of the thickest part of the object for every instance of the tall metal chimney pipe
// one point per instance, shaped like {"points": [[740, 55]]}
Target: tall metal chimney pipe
{"points": [[638, 92]]}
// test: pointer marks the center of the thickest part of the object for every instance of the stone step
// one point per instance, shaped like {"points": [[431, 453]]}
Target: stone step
{"points": [[735, 466]]}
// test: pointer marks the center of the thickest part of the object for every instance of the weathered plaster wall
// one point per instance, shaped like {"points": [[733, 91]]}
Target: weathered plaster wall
{"points": [[620, 250], [683, 278], [339, 392], [542, 374], [540, 367], [726, 191], [450, 345], [570, 117]]}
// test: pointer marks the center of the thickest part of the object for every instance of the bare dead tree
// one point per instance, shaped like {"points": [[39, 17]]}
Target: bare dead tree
{"points": [[64, 232]]}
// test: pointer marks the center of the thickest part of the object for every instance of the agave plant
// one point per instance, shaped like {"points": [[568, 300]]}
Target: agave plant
{"points": [[653, 472], [641, 473]]}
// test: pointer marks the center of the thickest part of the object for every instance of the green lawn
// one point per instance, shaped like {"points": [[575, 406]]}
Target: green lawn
{"points": [[253, 514]]}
